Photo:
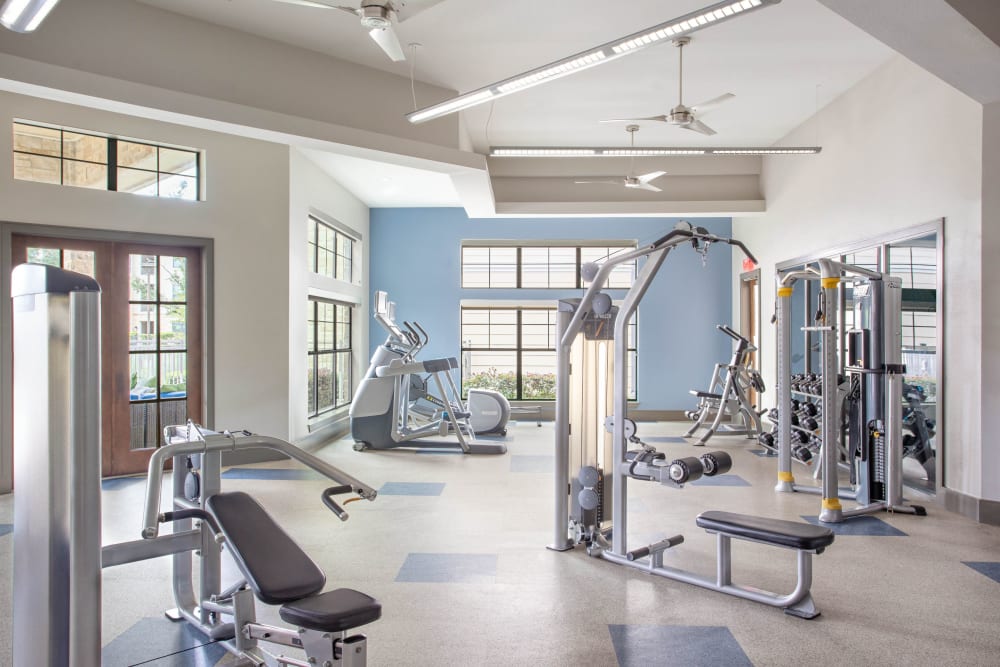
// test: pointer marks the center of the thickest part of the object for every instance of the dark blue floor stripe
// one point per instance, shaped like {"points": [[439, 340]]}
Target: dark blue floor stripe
{"points": [[691, 646], [270, 474], [762, 452], [6, 528], [449, 568], [159, 642], [116, 483], [862, 525], [991, 570], [411, 489]]}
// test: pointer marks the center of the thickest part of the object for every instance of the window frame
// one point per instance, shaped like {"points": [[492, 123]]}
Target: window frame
{"points": [[313, 354], [339, 260], [110, 163], [632, 347], [613, 246]]}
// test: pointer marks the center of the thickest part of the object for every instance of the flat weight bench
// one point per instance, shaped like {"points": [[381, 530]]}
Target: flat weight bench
{"points": [[279, 572], [804, 538]]}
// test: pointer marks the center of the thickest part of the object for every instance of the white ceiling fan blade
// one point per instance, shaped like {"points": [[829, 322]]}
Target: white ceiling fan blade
{"points": [[712, 103], [318, 4], [651, 176], [387, 40], [407, 9], [661, 118], [699, 126], [647, 186]]}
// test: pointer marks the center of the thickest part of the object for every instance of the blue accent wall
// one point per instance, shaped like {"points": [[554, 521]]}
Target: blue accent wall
{"points": [[415, 255]]}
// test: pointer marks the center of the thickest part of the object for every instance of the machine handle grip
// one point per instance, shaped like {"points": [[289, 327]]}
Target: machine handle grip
{"points": [[195, 513], [731, 333], [327, 497], [427, 338]]}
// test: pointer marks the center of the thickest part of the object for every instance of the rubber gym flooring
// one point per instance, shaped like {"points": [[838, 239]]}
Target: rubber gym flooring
{"points": [[454, 548]]}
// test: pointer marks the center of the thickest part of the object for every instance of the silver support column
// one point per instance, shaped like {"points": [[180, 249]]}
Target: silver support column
{"points": [[57, 467], [783, 311], [560, 537], [832, 510]]}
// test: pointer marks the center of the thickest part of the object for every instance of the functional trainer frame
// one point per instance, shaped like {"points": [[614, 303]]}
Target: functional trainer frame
{"points": [[605, 476]]}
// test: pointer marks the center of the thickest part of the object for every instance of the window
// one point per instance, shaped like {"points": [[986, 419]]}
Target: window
{"points": [[331, 252], [81, 261], [513, 351], [548, 266], [65, 157], [329, 357]]}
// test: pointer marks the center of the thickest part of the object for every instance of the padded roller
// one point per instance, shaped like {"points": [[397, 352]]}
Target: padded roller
{"points": [[716, 463], [684, 470]]}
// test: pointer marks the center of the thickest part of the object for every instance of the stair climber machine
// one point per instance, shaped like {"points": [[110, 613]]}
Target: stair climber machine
{"points": [[868, 439], [58, 554], [597, 449], [728, 396], [393, 406]]}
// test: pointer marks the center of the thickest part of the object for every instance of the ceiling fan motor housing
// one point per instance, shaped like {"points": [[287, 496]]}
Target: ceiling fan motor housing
{"points": [[375, 17], [681, 115]]}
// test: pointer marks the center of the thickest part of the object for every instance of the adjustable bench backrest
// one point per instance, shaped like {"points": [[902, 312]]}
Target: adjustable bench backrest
{"points": [[276, 568]]}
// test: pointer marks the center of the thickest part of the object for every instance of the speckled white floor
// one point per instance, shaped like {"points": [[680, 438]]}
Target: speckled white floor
{"points": [[885, 600]]}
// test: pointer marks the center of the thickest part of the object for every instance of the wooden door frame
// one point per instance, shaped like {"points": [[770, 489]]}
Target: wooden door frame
{"points": [[8, 229]]}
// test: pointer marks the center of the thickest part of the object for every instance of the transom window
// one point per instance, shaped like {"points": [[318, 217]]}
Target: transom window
{"points": [[513, 351], [66, 157], [329, 356], [548, 266], [331, 252]]}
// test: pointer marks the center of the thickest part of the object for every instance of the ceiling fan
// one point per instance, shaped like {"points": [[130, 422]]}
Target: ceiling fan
{"points": [[377, 16], [682, 116], [642, 182]]}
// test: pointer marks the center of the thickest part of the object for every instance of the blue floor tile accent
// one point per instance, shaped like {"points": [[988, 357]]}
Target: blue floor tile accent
{"points": [[868, 526], [120, 483], [411, 489], [721, 480], [664, 438], [6, 529], [159, 642], [270, 474], [991, 570], [449, 568], [525, 463], [692, 646], [762, 452]]}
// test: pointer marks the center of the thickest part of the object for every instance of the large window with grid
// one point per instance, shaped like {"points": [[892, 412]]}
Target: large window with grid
{"points": [[331, 251], [46, 154], [513, 351], [490, 265], [329, 357]]}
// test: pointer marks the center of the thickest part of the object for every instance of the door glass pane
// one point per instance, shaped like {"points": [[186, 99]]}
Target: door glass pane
{"points": [[173, 413], [173, 327], [48, 256], [142, 377], [173, 371], [144, 429], [85, 175], [142, 327], [142, 277], [173, 278], [81, 261]]}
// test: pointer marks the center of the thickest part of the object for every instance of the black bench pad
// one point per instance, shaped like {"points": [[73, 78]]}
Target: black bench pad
{"points": [[790, 534], [333, 611], [275, 566]]}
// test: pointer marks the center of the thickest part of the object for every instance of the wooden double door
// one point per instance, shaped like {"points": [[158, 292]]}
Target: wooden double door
{"points": [[151, 337]]}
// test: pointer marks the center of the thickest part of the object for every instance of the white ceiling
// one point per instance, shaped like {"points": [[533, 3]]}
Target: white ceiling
{"points": [[781, 62]]}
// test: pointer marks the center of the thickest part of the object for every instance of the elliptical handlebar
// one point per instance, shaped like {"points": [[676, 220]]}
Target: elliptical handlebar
{"points": [[702, 234]]}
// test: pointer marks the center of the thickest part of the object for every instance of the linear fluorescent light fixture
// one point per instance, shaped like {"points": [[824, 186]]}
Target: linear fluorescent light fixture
{"points": [[25, 15], [553, 151], [684, 25]]}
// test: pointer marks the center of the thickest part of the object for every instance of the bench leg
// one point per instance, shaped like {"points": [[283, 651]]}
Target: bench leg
{"points": [[723, 560]]}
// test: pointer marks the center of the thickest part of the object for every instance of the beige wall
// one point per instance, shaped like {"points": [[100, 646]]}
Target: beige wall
{"points": [[245, 212], [888, 163]]}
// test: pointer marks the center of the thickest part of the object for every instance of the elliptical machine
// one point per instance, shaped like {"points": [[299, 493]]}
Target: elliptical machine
{"points": [[393, 407], [728, 395]]}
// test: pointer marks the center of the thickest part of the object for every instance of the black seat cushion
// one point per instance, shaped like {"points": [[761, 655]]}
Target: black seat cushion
{"points": [[333, 611], [776, 531], [704, 394], [277, 569]]}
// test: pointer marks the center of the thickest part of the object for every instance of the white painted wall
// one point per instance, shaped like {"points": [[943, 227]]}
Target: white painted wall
{"points": [[991, 300], [899, 149], [245, 212], [311, 191]]}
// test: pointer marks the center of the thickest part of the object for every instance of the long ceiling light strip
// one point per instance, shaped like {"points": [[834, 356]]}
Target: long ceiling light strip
{"points": [[25, 15], [553, 151], [683, 25]]}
